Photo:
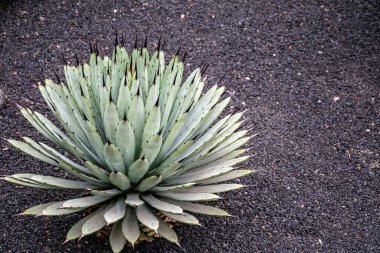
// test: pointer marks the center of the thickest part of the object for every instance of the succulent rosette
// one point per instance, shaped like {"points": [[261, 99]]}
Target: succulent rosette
{"points": [[141, 141]]}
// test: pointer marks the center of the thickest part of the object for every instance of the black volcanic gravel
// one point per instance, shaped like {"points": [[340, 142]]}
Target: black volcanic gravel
{"points": [[308, 73]]}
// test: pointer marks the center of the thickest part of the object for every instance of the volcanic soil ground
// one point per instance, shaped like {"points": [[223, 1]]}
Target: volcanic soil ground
{"points": [[307, 72]]}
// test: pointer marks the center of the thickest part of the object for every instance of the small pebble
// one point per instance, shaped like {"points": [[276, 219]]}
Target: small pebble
{"points": [[336, 99]]}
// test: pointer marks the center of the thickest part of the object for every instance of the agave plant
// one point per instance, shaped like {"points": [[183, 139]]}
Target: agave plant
{"points": [[143, 144]]}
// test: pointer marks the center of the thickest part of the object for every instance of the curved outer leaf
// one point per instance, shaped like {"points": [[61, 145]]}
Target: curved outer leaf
{"points": [[58, 209], [147, 217], [166, 231], [111, 193], [194, 176], [188, 196], [37, 210], [32, 152], [212, 188], [117, 239], [84, 202], [62, 183], [130, 226], [161, 205], [197, 208], [211, 116], [172, 187], [94, 223], [75, 231], [23, 179], [116, 212], [225, 177], [184, 217]]}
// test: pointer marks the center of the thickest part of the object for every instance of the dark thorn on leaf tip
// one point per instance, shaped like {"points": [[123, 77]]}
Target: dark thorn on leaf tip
{"points": [[160, 132], [56, 76], [184, 57], [125, 116], [163, 45], [203, 71], [85, 118], [96, 48], [146, 42], [77, 59], [156, 104], [122, 42], [234, 111], [178, 50], [159, 44], [116, 38], [135, 46], [91, 48]]}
